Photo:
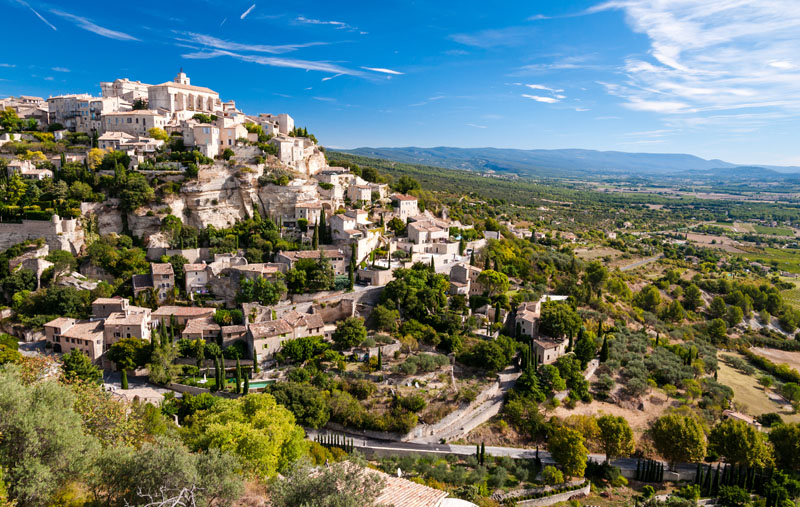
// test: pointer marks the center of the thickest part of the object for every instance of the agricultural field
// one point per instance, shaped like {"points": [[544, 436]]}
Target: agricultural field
{"points": [[791, 296], [785, 259], [780, 356], [774, 231], [749, 396]]}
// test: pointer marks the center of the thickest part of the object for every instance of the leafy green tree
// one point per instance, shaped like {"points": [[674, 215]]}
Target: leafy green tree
{"points": [[255, 428], [306, 402], [733, 496], [616, 436], [136, 192], [550, 379], [493, 282], [161, 366], [692, 297], [385, 318], [738, 443], [596, 276], [77, 365], [127, 354], [649, 298], [552, 475], [679, 438], [345, 484], [674, 312], [405, 184], [567, 448], [558, 319], [734, 316], [785, 439], [44, 444], [161, 469], [585, 349], [20, 280], [349, 333]]}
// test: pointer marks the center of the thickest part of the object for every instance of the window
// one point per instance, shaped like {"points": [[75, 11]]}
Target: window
{"points": [[129, 120]]}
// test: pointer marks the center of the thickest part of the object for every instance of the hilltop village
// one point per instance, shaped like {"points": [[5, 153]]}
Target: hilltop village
{"points": [[229, 314]]}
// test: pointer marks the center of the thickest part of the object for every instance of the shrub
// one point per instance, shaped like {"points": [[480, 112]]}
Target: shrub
{"points": [[552, 475]]}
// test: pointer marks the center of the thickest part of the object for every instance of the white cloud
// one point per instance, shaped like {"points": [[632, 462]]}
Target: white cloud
{"points": [[87, 25], [214, 42], [538, 98], [725, 55], [49, 78], [331, 77], [338, 25], [542, 87], [7, 65], [476, 126], [293, 63], [383, 71], [25, 4], [248, 11], [494, 38], [60, 69]]}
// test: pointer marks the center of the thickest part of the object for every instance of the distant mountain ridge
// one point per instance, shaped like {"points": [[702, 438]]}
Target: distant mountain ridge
{"points": [[558, 163]]}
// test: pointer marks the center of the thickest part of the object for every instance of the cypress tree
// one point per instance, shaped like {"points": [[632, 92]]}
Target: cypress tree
{"points": [[497, 312], [569, 346], [604, 349], [238, 377], [483, 453], [323, 234], [380, 359], [462, 245], [472, 258], [124, 379], [487, 264], [638, 475], [315, 237], [478, 451], [246, 384], [698, 474], [255, 360], [433, 267]]}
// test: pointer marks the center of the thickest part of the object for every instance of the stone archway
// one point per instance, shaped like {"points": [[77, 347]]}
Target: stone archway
{"points": [[57, 348]]}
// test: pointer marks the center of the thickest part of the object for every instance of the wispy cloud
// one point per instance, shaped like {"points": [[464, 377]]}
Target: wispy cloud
{"points": [[276, 62], [331, 77], [7, 65], [476, 126], [49, 78], [722, 57], [338, 25], [428, 101], [543, 87], [539, 98], [25, 4], [89, 26], [324, 99], [383, 71], [495, 38], [248, 11], [214, 42], [60, 69]]}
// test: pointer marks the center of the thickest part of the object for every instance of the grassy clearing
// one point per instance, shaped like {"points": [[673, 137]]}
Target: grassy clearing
{"points": [[787, 260], [743, 227], [748, 394], [773, 231]]}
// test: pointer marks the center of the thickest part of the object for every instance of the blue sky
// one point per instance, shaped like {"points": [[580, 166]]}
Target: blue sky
{"points": [[718, 79]]}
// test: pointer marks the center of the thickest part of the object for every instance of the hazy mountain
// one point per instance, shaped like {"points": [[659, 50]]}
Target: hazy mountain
{"points": [[552, 162]]}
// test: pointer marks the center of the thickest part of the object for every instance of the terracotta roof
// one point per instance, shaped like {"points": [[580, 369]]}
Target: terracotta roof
{"points": [[233, 329], [142, 281], [403, 197], [201, 325], [126, 319], [60, 322], [182, 311], [138, 112], [270, 328], [161, 268], [84, 330], [404, 493], [194, 267], [312, 254]]}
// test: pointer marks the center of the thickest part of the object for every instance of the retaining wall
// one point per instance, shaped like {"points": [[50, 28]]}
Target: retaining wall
{"points": [[558, 497]]}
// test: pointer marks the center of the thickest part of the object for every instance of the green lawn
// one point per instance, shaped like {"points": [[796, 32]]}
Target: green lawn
{"points": [[774, 231]]}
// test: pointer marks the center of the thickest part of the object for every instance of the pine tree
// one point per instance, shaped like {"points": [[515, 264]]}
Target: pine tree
{"points": [[238, 377], [124, 379]]}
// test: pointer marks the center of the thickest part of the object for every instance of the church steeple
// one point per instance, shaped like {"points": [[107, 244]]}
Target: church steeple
{"points": [[181, 78]]}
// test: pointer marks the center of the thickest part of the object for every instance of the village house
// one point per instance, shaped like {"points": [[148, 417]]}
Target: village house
{"points": [[113, 140], [266, 338], [125, 89], [405, 206], [63, 109], [309, 211], [91, 110], [132, 322], [464, 280], [65, 334], [197, 277], [135, 123], [161, 279], [181, 314], [547, 349], [201, 328], [27, 170], [336, 256]]}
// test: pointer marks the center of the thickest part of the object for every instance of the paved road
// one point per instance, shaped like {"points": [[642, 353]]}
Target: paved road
{"points": [[641, 263]]}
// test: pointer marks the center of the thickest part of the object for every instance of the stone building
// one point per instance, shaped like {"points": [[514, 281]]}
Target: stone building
{"points": [[405, 206], [136, 123], [179, 95], [125, 89]]}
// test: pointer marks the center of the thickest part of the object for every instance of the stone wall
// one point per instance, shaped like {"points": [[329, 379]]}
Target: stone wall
{"points": [[59, 234]]}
